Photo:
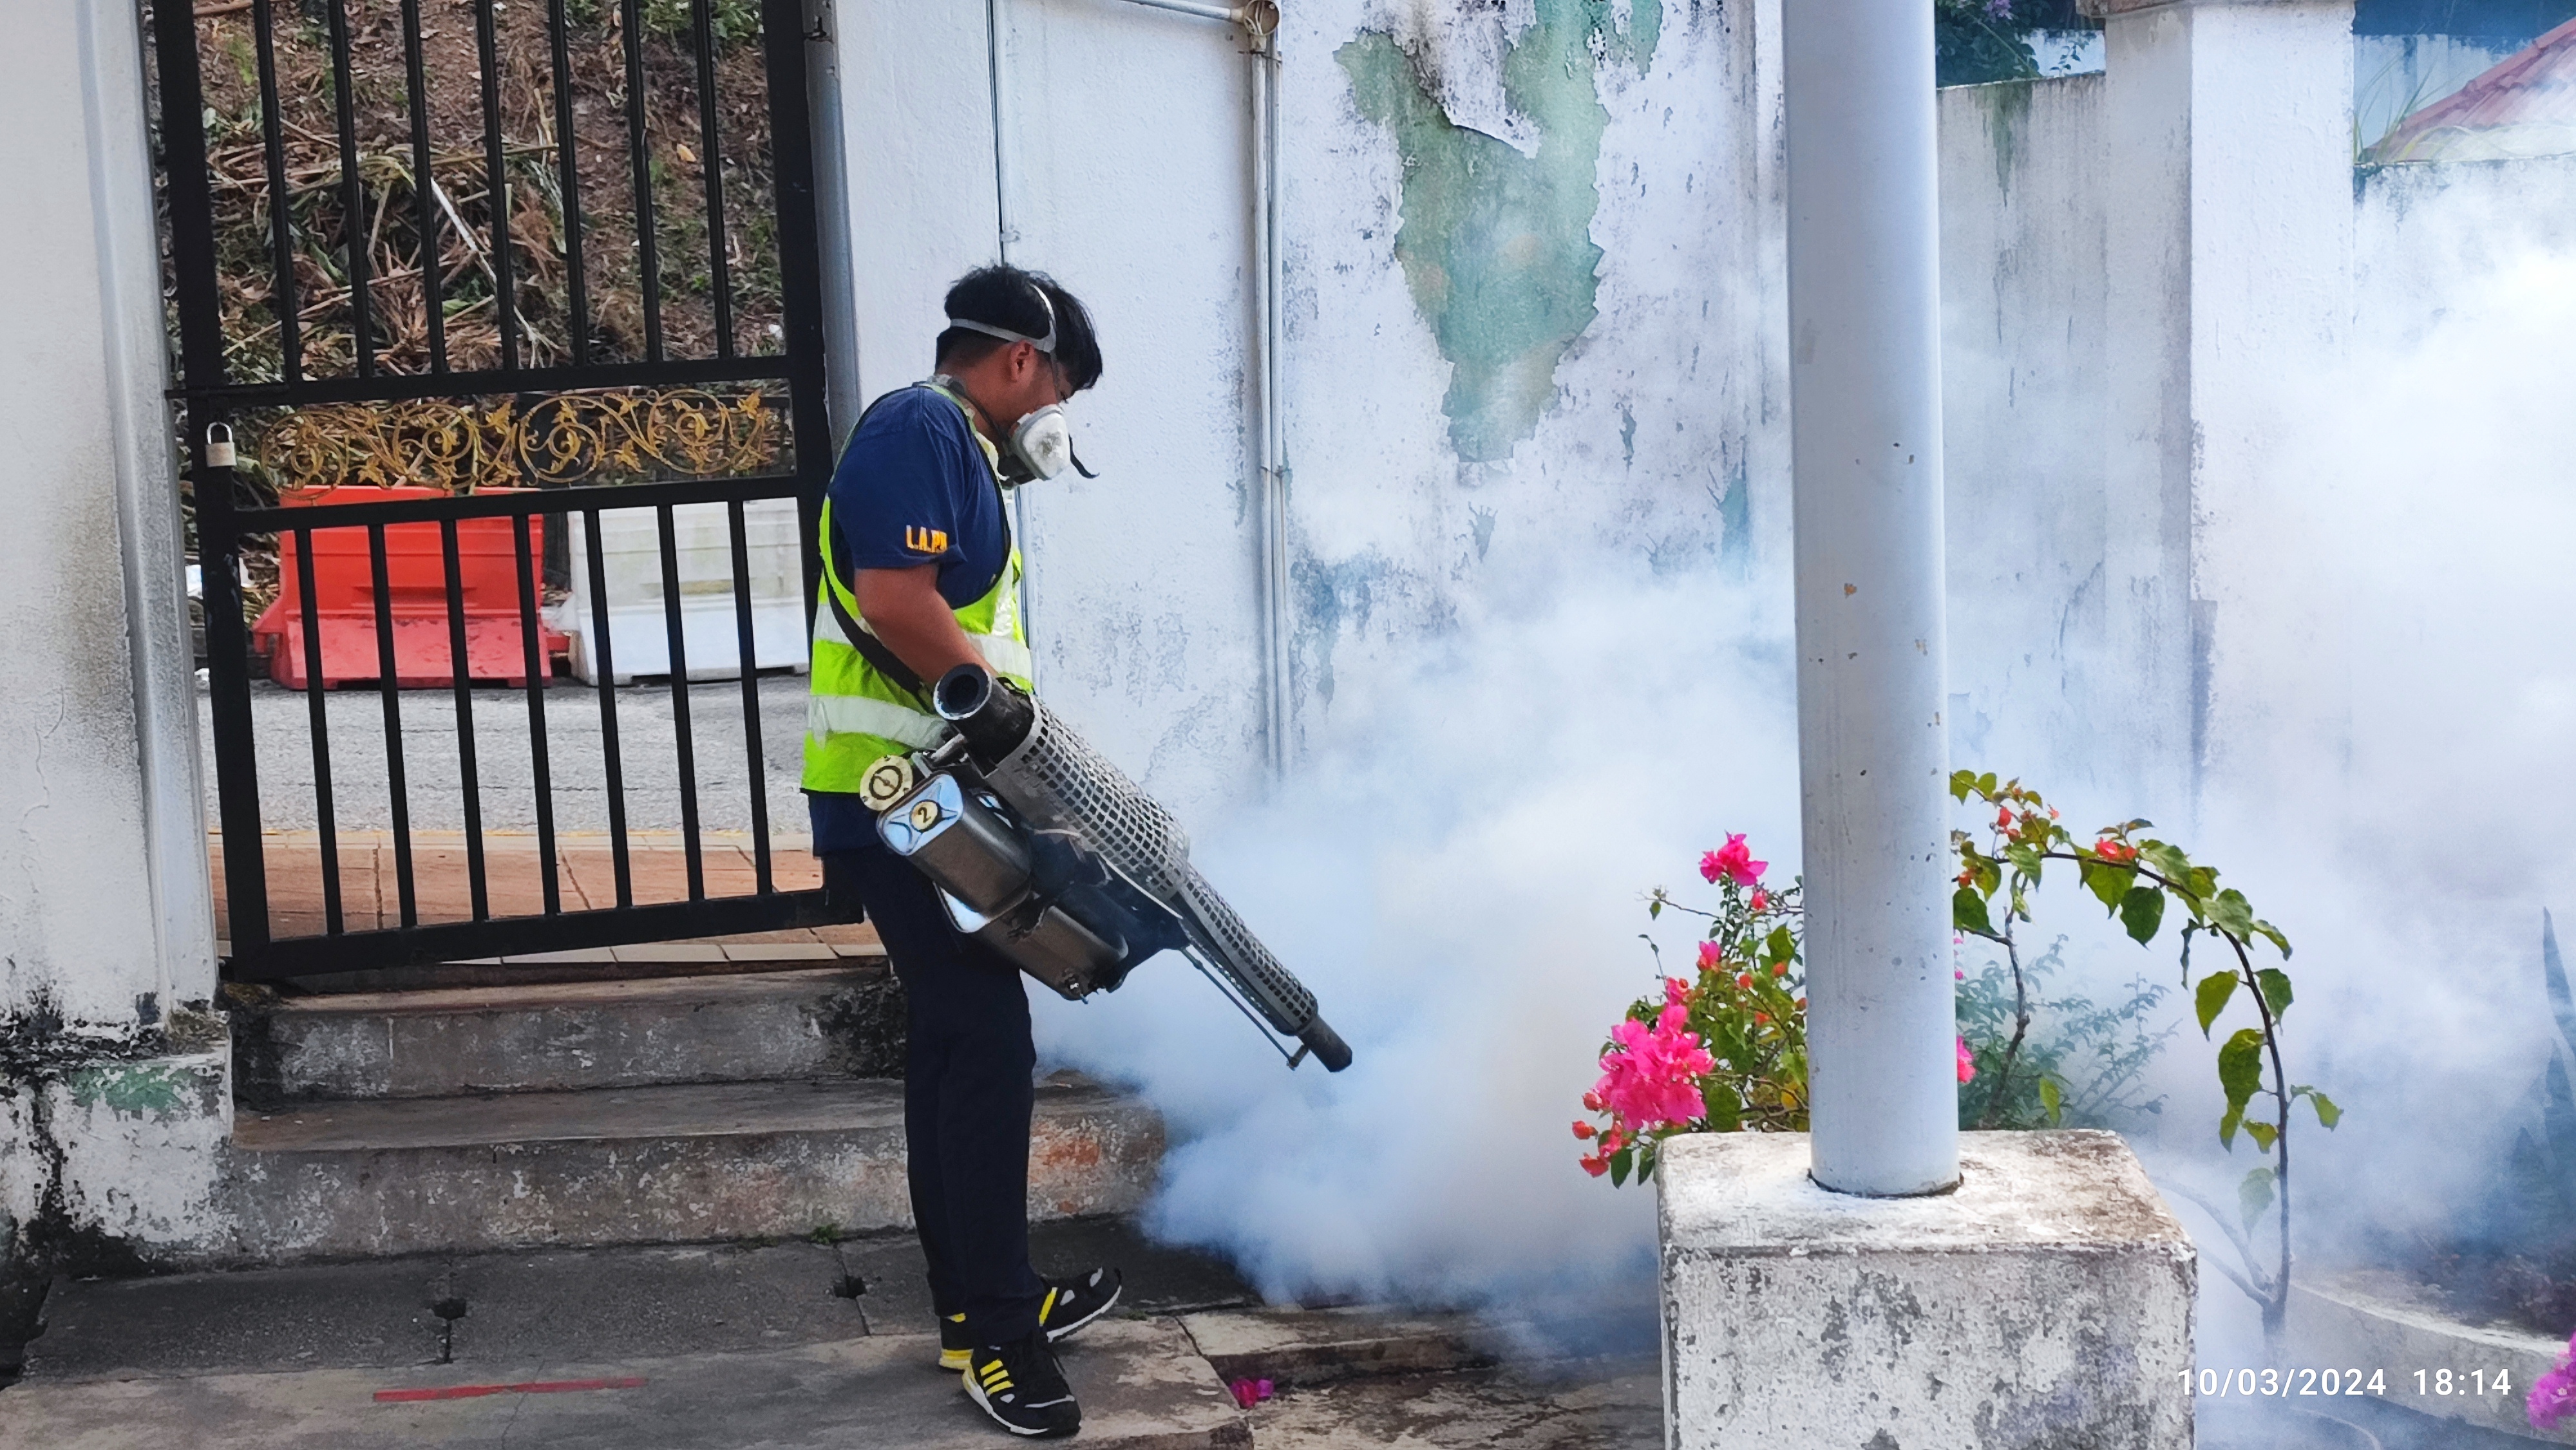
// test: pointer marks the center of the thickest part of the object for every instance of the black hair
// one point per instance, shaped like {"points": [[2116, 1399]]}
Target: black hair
{"points": [[1005, 296]]}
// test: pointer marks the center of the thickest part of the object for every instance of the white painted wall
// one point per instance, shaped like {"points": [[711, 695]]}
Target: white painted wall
{"points": [[1127, 175], [2132, 300], [2023, 289], [103, 900]]}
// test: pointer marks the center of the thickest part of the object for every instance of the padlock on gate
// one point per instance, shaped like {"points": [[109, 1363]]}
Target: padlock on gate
{"points": [[219, 445]]}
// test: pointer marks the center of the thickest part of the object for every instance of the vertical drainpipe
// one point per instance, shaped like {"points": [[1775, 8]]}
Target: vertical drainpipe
{"points": [[1865, 403], [1261, 29], [1005, 233]]}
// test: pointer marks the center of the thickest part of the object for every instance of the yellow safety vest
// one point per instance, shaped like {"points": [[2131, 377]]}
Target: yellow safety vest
{"points": [[856, 714]]}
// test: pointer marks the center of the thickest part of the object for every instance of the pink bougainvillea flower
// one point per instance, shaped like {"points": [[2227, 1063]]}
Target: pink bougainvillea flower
{"points": [[1761, 898], [1650, 1076], [1735, 862], [1744, 981], [1967, 1062], [2553, 1395], [1248, 1393], [2003, 819], [1595, 1166], [1583, 1129], [1676, 992], [1711, 956]]}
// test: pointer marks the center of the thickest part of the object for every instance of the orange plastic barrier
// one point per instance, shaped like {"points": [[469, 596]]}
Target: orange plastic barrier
{"points": [[344, 599]]}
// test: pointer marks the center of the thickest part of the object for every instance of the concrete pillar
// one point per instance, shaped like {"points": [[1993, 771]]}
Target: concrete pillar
{"points": [[105, 910], [2047, 1302], [2228, 250], [110, 1114], [1865, 404]]}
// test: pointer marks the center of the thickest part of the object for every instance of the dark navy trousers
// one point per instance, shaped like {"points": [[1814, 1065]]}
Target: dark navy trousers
{"points": [[967, 1096]]}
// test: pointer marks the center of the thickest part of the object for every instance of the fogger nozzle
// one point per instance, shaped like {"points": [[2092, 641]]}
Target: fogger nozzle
{"points": [[993, 716]]}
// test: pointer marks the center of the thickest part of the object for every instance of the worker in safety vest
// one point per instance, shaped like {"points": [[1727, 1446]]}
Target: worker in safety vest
{"points": [[920, 574]]}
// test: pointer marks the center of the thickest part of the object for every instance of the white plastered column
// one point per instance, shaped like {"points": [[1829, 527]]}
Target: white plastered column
{"points": [[104, 901], [2229, 215], [107, 951]]}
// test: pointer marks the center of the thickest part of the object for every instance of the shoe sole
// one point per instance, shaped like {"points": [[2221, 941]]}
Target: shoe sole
{"points": [[956, 1361], [1105, 1306], [975, 1392]]}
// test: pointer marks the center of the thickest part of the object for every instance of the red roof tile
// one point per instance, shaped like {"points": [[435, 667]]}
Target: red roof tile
{"points": [[2525, 106]]}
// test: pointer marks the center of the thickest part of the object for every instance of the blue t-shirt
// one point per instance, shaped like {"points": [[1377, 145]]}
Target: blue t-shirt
{"points": [[912, 488]]}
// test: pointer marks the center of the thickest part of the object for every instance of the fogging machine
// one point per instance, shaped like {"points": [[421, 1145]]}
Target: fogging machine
{"points": [[1046, 852]]}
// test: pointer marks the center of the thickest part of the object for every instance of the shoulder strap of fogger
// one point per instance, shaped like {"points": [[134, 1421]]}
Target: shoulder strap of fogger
{"points": [[879, 656]]}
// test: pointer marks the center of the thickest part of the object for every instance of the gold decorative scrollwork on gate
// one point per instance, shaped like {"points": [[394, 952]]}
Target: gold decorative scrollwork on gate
{"points": [[456, 446]]}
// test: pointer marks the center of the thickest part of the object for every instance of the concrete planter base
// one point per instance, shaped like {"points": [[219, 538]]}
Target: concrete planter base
{"points": [[2045, 1302], [2378, 1320]]}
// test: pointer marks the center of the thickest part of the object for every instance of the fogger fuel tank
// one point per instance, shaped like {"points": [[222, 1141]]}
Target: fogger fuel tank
{"points": [[1049, 854]]}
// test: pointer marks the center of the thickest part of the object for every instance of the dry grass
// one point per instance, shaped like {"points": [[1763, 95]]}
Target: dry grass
{"points": [[387, 230]]}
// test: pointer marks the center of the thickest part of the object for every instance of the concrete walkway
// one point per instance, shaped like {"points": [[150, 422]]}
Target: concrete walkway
{"points": [[728, 1347]]}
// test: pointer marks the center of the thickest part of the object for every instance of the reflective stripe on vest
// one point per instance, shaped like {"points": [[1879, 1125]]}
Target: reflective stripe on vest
{"points": [[855, 714]]}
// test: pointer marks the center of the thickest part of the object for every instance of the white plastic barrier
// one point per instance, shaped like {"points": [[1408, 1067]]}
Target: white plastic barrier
{"points": [[631, 562]]}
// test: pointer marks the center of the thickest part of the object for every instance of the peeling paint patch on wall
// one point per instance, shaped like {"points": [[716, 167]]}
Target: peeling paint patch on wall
{"points": [[1496, 244]]}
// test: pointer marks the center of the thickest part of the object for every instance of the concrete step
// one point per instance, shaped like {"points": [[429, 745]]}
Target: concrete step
{"points": [[843, 1020], [666, 1164]]}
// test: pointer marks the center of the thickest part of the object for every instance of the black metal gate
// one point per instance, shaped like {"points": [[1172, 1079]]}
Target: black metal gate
{"points": [[451, 277]]}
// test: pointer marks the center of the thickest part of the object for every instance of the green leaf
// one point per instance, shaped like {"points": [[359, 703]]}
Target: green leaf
{"points": [[1655, 909], [2110, 883], [2025, 859], [2240, 1067], [2272, 934], [1782, 946], [2262, 1133], [2276, 990], [2142, 911], [2048, 1098], [2254, 1194], [2327, 1113], [1968, 912], [1986, 783], [2233, 913], [2212, 996], [1962, 782], [1620, 1163], [2168, 861], [2227, 1128], [1725, 1108]]}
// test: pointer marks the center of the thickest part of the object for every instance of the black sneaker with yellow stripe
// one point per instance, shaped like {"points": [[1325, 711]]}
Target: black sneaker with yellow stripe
{"points": [[1022, 1388], [956, 1346], [1073, 1303]]}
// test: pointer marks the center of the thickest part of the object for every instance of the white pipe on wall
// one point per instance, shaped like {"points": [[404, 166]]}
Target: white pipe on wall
{"points": [[1274, 441], [1865, 403]]}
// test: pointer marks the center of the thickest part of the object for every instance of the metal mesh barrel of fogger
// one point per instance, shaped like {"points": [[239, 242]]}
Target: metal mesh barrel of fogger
{"points": [[1060, 781]]}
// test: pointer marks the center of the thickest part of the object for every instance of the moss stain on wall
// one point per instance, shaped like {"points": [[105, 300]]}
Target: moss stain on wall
{"points": [[1497, 246]]}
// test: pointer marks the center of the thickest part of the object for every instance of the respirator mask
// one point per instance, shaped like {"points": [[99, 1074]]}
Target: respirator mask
{"points": [[1041, 446]]}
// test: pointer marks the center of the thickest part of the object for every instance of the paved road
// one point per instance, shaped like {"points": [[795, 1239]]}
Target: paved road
{"points": [[647, 733]]}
